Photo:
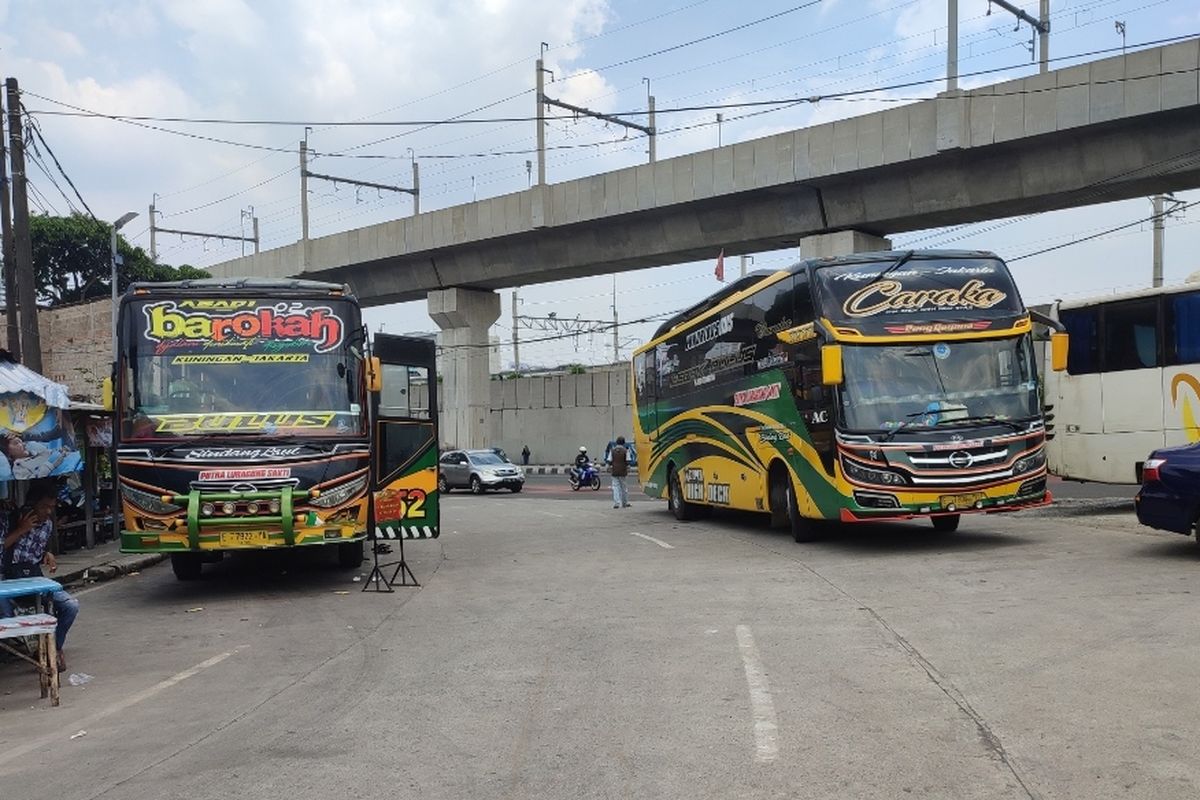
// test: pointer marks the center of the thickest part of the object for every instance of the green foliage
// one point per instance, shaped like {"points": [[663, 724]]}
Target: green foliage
{"points": [[71, 259], [577, 369]]}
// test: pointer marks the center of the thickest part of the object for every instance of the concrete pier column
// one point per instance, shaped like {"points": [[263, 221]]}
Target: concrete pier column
{"points": [[842, 243], [464, 315]]}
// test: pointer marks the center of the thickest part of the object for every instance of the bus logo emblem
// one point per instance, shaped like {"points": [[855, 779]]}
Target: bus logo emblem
{"points": [[961, 459]]}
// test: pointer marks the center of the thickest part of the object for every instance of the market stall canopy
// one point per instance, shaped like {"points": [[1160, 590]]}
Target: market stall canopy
{"points": [[15, 378]]}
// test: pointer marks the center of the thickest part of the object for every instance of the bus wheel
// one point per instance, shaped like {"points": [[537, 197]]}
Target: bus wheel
{"points": [[350, 555], [682, 509], [947, 523], [186, 566], [803, 530]]}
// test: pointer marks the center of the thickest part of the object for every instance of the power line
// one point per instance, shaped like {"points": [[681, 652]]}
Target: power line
{"points": [[33, 126], [1099, 234]]}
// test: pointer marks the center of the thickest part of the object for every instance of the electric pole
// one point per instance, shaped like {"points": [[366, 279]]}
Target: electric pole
{"points": [[1044, 41], [541, 120], [952, 45], [31, 340], [616, 326], [304, 196], [1157, 279], [516, 337], [153, 231], [10, 275]]}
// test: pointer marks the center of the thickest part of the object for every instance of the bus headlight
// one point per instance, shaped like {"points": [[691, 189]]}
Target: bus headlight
{"points": [[1030, 462], [207, 509], [148, 502], [868, 475], [339, 494]]}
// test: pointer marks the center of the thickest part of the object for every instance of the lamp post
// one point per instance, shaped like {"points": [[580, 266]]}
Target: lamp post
{"points": [[120, 223]]}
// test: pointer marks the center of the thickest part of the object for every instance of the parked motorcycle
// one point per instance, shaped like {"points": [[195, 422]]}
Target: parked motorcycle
{"points": [[588, 476]]}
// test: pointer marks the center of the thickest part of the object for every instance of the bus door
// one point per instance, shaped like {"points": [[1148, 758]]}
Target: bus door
{"points": [[404, 460]]}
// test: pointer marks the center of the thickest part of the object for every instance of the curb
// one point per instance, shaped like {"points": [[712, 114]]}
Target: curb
{"points": [[98, 573]]}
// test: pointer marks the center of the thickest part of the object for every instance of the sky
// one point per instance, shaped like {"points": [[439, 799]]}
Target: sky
{"points": [[307, 63]]}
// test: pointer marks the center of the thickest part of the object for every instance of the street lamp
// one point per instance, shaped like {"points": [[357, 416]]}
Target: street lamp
{"points": [[116, 259]]}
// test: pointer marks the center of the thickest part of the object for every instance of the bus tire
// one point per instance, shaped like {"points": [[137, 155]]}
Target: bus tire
{"points": [[350, 554], [186, 566], [947, 523], [777, 483], [803, 529], [682, 509]]}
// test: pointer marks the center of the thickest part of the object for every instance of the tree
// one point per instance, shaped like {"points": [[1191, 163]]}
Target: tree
{"points": [[72, 260]]}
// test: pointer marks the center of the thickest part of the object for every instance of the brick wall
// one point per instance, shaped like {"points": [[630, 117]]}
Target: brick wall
{"points": [[77, 345]]}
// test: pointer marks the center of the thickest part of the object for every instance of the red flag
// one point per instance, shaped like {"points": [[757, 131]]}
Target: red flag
{"points": [[720, 270]]}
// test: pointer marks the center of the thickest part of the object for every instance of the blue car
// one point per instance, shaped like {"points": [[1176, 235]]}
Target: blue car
{"points": [[1170, 496]]}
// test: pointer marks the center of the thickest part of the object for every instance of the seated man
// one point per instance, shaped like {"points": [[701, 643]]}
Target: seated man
{"points": [[26, 533]]}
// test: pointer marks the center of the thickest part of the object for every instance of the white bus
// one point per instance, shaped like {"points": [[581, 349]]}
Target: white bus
{"points": [[1132, 382]]}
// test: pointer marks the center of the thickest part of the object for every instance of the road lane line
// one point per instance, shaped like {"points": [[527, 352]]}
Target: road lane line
{"points": [[766, 731], [133, 699], [658, 542]]}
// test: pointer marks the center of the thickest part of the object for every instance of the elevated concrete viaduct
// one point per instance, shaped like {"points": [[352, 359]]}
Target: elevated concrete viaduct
{"points": [[1112, 129]]}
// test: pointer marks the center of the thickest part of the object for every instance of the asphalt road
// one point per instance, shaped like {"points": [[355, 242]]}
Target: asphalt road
{"points": [[570, 650]]}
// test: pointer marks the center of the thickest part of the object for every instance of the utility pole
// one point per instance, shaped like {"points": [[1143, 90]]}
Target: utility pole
{"points": [[743, 261], [516, 337], [540, 69], [952, 45], [304, 195], [616, 324], [31, 340], [720, 119], [1044, 41], [10, 274], [1157, 279], [153, 239], [650, 120], [416, 192]]}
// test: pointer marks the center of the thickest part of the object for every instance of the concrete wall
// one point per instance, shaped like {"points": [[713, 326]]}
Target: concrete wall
{"points": [[77, 346], [555, 414]]}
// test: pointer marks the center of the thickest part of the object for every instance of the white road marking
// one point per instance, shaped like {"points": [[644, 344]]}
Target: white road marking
{"points": [[133, 699], [766, 731], [550, 513], [658, 542]]}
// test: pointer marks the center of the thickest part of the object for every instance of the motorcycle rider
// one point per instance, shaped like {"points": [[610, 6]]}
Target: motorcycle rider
{"points": [[582, 462]]}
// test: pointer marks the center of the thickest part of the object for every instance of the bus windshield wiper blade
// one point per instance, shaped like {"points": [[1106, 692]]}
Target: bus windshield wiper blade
{"points": [[992, 418], [895, 265]]}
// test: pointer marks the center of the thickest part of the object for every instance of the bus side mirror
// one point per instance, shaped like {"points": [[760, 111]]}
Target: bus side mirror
{"points": [[374, 375], [106, 393], [1058, 351], [831, 364]]}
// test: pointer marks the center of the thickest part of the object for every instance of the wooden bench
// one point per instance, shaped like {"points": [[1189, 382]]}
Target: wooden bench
{"points": [[42, 626]]}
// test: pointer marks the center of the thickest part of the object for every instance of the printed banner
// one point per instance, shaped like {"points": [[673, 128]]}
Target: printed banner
{"points": [[229, 325], [38, 440]]}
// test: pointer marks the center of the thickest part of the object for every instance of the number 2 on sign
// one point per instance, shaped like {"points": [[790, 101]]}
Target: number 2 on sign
{"points": [[402, 504]]}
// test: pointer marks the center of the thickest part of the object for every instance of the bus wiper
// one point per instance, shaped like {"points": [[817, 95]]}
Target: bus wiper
{"points": [[895, 265], [1016, 426]]}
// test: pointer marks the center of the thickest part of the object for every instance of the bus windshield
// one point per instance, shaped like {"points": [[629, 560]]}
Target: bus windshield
{"points": [[930, 385], [254, 368]]}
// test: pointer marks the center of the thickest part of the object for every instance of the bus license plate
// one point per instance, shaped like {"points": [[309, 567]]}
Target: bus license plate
{"points": [[961, 501], [245, 538]]}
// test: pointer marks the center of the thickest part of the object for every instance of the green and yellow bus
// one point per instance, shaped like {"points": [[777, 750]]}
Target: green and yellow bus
{"points": [[878, 386]]}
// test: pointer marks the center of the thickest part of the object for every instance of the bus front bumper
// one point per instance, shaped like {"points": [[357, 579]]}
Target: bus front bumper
{"points": [[239, 538], [869, 505]]}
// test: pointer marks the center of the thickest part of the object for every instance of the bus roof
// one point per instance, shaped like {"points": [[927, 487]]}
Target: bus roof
{"points": [[214, 285], [1132, 294], [741, 284]]}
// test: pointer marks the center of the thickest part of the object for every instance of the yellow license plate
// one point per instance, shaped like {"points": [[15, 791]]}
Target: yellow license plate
{"points": [[245, 538], [960, 501]]}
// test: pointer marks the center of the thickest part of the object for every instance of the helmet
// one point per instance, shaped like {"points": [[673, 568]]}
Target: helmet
{"points": [[583, 449]]}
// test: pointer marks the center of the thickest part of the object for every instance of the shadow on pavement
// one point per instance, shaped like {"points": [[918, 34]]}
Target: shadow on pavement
{"points": [[1178, 547], [303, 571], [913, 536]]}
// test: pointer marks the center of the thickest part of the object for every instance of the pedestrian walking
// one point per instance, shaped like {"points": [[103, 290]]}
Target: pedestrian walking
{"points": [[525, 456], [620, 469]]}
